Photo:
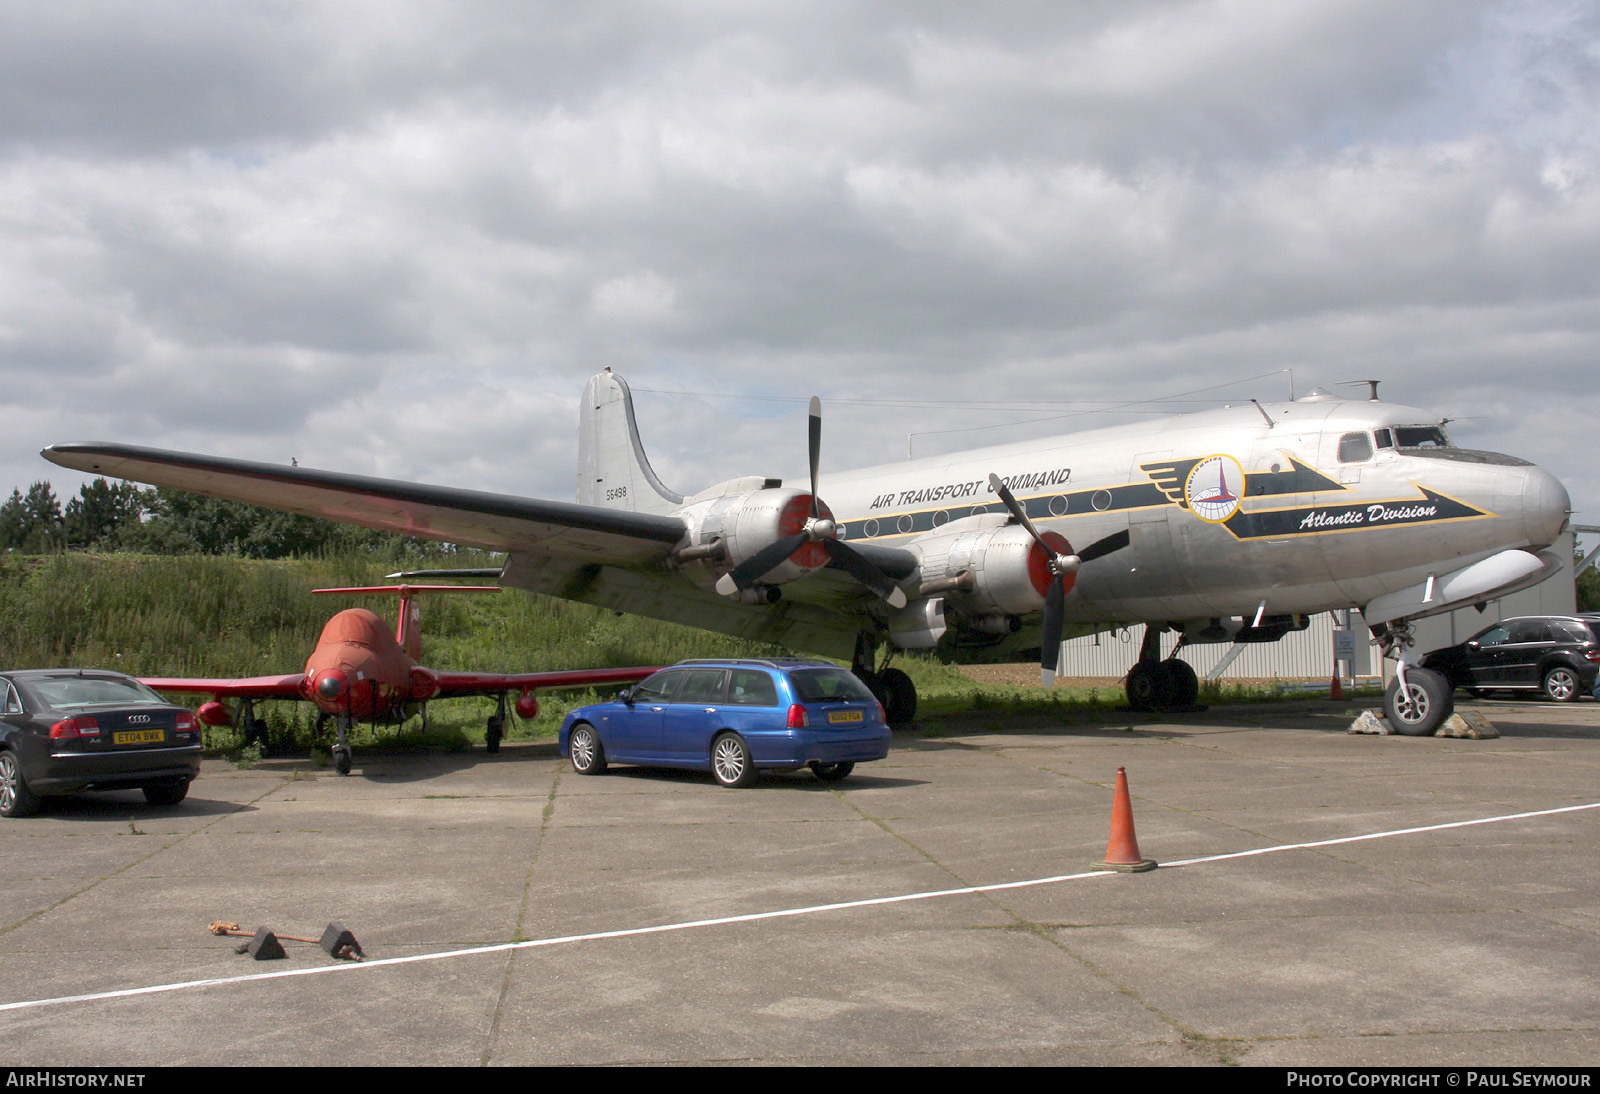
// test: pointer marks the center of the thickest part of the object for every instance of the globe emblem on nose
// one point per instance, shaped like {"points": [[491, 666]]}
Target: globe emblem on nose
{"points": [[1215, 488]]}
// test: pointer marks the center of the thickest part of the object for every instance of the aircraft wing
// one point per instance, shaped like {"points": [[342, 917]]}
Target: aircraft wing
{"points": [[495, 522], [452, 684], [250, 687]]}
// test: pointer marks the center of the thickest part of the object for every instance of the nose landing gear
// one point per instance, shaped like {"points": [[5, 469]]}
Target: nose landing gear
{"points": [[1418, 700]]}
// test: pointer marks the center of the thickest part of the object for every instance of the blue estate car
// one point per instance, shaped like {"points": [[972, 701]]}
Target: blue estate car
{"points": [[732, 718]]}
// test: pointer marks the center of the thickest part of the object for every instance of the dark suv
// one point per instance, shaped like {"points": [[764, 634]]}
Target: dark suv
{"points": [[1556, 654], [732, 718]]}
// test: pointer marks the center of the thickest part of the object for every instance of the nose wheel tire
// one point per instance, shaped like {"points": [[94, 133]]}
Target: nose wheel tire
{"points": [[16, 800], [1424, 706], [341, 759], [1561, 684], [730, 761]]}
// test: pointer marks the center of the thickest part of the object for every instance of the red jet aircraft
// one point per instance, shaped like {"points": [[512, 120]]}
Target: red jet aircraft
{"points": [[359, 672]]}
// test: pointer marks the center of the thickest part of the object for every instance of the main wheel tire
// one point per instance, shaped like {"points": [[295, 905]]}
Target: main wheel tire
{"points": [[1183, 683], [731, 764], [831, 773], [1425, 706], [166, 793], [1561, 684], [492, 734], [899, 697], [1148, 686], [341, 759], [587, 753], [16, 800], [256, 734]]}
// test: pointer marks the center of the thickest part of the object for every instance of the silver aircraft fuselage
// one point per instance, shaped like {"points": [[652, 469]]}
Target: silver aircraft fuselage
{"points": [[1224, 511]]}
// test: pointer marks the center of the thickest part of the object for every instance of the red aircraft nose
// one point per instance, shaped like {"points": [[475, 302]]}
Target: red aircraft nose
{"points": [[330, 685]]}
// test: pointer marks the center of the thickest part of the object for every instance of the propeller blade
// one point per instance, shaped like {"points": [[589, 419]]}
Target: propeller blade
{"points": [[1017, 511], [853, 563], [814, 439], [1116, 541], [1055, 603], [759, 564]]}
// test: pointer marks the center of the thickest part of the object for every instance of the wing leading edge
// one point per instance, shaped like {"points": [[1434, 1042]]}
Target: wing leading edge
{"points": [[495, 522]]}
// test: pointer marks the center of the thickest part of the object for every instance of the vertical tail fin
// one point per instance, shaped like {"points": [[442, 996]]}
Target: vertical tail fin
{"points": [[613, 470]]}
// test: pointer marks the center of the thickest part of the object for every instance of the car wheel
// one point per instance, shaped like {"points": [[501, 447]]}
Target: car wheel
{"points": [[588, 754], [1561, 684], [166, 793], [16, 800], [1423, 708], [831, 773], [730, 761]]}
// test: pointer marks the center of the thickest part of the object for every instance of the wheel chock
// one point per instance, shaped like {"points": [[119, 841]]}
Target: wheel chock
{"points": [[264, 946], [338, 942], [1122, 849]]}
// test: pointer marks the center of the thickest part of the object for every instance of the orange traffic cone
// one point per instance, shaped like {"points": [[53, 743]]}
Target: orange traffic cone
{"points": [[1336, 689], [1122, 850]]}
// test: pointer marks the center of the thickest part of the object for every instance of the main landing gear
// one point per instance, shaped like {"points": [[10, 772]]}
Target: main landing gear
{"points": [[892, 687], [1156, 685], [1418, 700], [254, 729], [494, 732]]}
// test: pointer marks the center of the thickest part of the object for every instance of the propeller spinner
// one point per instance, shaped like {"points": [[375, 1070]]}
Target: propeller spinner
{"points": [[820, 529], [1061, 563]]}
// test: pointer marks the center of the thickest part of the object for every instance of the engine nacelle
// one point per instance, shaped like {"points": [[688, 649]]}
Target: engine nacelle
{"points": [[986, 566], [733, 521]]}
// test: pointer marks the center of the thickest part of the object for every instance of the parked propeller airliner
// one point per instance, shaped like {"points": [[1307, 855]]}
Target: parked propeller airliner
{"points": [[1225, 525], [358, 671]]}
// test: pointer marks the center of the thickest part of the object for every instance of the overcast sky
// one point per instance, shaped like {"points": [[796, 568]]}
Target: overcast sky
{"points": [[395, 238]]}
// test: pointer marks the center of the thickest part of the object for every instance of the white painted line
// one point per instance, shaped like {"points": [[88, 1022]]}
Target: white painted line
{"points": [[753, 917]]}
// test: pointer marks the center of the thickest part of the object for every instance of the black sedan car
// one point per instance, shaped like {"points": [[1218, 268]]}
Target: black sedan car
{"points": [[66, 730], [1557, 655]]}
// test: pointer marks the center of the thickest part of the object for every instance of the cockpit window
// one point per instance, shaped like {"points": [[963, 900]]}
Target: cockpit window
{"points": [[1385, 438], [1355, 448], [1420, 436]]}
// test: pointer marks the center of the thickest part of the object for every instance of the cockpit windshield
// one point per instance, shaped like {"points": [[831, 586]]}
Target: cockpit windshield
{"points": [[1420, 436]]}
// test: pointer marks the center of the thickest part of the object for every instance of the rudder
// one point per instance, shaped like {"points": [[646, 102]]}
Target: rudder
{"points": [[613, 470]]}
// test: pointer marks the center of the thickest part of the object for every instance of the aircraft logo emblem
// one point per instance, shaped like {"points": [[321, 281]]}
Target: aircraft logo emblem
{"points": [[1214, 488]]}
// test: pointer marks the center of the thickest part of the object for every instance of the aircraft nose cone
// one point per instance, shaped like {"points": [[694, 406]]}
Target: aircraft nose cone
{"points": [[331, 684], [1546, 507]]}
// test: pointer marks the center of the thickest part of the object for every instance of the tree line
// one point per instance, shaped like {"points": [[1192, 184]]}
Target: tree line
{"points": [[106, 517]]}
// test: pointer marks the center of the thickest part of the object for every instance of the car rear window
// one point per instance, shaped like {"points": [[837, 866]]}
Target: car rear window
{"points": [[821, 685], [1594, 629], [67, 692]]}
